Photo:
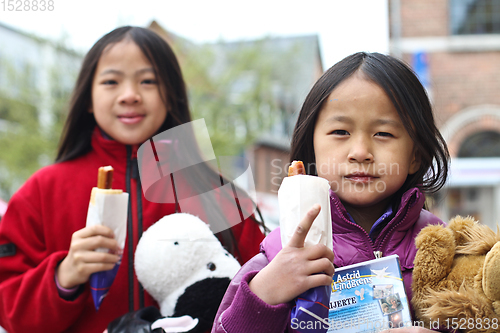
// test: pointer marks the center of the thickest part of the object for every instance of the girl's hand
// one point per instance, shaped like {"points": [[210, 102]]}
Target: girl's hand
{"points": [[82, 260], [295, 268]]}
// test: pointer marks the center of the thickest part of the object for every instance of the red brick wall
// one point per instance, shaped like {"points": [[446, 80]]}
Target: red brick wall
{"points": [[421, 18], [459, 80], [462, 80]]}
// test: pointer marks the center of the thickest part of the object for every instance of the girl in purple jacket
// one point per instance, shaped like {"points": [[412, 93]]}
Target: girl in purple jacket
{"points": [[367, 127]]}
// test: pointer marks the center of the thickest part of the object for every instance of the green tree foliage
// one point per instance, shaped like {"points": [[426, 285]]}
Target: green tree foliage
{"points": [[27, 141], [234, 86]]}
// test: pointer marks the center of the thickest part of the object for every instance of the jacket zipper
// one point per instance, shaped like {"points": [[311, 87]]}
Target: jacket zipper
{"points": [[404, 204], [370, 244], [133, 173], [130, 232]]}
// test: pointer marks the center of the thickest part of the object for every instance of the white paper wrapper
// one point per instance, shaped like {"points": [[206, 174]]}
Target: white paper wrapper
{"points": [[109, 208], [296, 196]]}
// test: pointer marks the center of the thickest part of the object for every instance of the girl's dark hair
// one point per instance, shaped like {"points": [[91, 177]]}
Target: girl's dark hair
{"points": [[410, 100], [80, 123], [77, 132]]}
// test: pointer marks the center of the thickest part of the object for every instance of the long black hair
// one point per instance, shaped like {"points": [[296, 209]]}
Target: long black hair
{"points": [[80, 123], [410, 100]]}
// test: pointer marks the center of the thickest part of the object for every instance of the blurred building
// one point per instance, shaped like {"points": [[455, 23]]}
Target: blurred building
{"points": [[454, 47], [270, 154], [30, 64], [295, 66]]}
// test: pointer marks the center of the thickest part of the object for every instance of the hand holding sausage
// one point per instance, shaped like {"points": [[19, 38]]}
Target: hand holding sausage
{"points": [[295, 268]]}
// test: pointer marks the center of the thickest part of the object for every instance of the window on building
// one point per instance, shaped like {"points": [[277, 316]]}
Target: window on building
{"points": [[482, 144], [474, 17]]}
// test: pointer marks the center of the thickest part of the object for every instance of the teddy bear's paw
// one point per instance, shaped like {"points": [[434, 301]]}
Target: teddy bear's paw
{"points": [[491, 274], [465, 303], [436, 250], [435, 236], [496, 307]]}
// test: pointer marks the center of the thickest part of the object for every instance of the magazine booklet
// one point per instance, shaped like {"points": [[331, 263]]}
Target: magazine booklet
{"points": [[368, 297]]}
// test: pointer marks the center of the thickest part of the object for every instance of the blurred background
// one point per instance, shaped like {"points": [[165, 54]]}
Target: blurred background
{"points": [[248, 67]]}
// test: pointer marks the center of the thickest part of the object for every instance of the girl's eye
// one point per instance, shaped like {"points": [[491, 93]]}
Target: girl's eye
{"points": [[339, 132], [149, 81], [109, 82], [384, 134]]}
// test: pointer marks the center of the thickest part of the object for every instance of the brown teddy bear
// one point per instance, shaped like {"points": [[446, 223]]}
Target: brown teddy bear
{"points": [[456, 276]]}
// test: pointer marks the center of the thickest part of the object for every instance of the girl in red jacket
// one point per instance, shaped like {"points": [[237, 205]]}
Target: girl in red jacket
{"points": [[129, 89]]}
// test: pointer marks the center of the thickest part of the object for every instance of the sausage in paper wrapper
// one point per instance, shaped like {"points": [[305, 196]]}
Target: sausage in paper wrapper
{"points": [[107, 207], [296, 196]]}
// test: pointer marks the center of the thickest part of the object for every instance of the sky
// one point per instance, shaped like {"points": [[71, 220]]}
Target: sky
{"points": [[343, 26]]}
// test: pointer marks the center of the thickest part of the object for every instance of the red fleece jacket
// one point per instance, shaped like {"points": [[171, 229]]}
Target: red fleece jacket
{"points": [[38, 225]]}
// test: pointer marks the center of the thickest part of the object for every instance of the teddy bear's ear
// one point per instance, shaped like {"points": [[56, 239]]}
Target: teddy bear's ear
{"points": [[472, 237], [459, 225]]}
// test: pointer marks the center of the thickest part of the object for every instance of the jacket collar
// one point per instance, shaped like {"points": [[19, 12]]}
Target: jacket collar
{"points": [[412, 202], [352, 244], [103, 144]]}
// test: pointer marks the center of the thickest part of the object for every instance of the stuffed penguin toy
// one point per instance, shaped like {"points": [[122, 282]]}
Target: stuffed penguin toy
{"points": [[184, 267]]}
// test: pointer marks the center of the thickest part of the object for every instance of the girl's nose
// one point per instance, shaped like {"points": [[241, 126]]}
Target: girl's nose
{"points": [[130, 95], [360, 152]]}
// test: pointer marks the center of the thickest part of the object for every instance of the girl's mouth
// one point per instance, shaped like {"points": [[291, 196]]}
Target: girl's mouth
{"points": [[131, 118], [360, 178]]}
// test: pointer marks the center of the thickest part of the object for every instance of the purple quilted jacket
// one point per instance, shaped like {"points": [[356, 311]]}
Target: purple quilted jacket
{"points": [[241, 311]]}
